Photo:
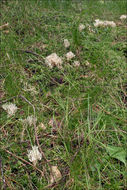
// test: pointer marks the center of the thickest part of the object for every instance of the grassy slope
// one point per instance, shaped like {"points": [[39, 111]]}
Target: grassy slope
{"points": [[89, 100]]}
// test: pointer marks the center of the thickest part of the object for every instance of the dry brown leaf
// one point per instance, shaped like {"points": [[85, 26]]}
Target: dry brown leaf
{"points": [[48, 94], [55, 175], [69, 182], [4, 26], [55, 124], [6, 31], [42, 126], [84, 76], [51, 122], [1, 94]]}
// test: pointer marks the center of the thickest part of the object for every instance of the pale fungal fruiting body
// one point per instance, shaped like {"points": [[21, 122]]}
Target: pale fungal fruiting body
{"points": [[123, 17], [90, 29], [104, 23], [29, 88], [53, 60], [66, 43], [34, 155], [76, 63], [70, 55], [10, 108], [81, 27], [101, 1], [88, 63], [30, 120]]}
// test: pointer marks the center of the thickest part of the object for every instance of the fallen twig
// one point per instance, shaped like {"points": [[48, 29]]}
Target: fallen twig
{"points": [[35, 128], [2, 173], [28, 51], [7, 177], [4, 101], [24, 161]]}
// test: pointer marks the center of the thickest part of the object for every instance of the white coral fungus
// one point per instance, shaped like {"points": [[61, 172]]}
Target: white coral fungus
{"points": [[34, 155], [101, 1], [53, 60], [81, 27], [104, 23], [30, 120], [88, 63], [10, 108], [70, 55], [76, 63], [66, 43], [123, 17], [30, 88]]}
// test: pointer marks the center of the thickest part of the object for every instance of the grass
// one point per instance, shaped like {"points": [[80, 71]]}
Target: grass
{"points": [[87, 104]]}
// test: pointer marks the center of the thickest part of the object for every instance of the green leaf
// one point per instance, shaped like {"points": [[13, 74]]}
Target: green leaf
{"points": [[117, 152]]}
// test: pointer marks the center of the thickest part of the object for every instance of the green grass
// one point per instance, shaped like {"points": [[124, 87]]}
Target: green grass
{"points": [[89, 101]]}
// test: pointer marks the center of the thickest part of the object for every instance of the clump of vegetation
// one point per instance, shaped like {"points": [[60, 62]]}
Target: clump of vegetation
{"points": [[63, 125]]}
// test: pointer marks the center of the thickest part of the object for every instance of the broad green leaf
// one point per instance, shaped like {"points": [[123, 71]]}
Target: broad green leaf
{"points": [[117, 152]]}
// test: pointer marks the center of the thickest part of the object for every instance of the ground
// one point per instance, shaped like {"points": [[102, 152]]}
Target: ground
{"points": [[81, 112]]}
